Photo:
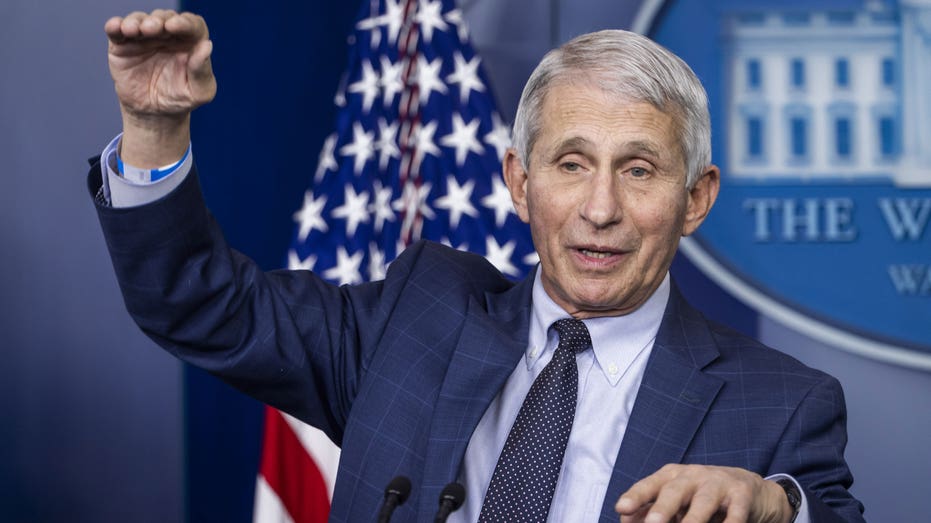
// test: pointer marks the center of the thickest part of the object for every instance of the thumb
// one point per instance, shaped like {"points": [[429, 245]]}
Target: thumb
{"points": [[200, 71], [199, 67]]}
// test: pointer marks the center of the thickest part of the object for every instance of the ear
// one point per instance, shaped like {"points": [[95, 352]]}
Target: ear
{"points": [[515, 177], [701, 198]]}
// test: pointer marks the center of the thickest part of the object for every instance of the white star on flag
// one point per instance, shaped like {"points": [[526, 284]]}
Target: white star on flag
{"points": [[413, 201], [367, 24], [429, 18], [354, 209], [464, 247], [346, 271], [531, 259], [428, 78], [462, 29], [309, 216], [500, 256], [466, 75], [463, 138], [295, 263], [457, 200], [413, 204], [499, 137], [390, 82], [377, 264], [360, 148], [327, 160], [367, 86], [394, 18], [499, 201], [381, 206], [387, 144], [424, 144]]}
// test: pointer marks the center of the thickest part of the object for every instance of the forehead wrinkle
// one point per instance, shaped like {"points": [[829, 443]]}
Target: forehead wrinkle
{"points": [[570, 144], [645, 147]]}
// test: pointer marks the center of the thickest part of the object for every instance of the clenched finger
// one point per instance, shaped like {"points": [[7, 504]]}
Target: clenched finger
{"points": [[119, 28], [187, 25]]}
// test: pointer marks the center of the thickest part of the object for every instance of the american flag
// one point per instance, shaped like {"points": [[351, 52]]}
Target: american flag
{"points": [[416, 154]]}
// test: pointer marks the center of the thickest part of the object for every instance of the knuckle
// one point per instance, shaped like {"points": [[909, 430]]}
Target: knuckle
{"points": [[706, 498]]}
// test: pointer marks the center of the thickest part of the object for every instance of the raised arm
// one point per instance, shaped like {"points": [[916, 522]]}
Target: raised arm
{"points": [[160, 64]]}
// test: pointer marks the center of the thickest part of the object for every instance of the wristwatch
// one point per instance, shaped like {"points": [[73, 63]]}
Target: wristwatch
{"points": [[792, 495]]}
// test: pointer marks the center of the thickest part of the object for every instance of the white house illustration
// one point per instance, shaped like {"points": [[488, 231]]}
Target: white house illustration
{"points": [[831, 94]]}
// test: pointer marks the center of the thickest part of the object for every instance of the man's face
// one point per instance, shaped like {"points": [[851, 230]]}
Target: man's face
{"points": [[606, 199]]}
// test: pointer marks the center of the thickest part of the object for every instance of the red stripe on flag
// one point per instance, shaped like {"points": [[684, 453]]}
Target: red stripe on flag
{"points": [[291, 472]]}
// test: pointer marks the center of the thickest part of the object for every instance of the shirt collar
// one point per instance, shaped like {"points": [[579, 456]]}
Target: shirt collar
{"points": [[616, 340]]}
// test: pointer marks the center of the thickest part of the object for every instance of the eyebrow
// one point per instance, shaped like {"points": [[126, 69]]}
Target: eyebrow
{"points": [[644, 147], [647, 148], [568, 145]]}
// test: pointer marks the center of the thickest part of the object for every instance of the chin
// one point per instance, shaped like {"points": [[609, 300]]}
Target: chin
{"points": [[597, 305]]}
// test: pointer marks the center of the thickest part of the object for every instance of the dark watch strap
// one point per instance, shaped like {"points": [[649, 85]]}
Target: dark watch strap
{"points": [[792, 494]]}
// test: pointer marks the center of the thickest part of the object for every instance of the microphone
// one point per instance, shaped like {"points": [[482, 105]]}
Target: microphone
{"points": [[450, 500], [396, 494]]}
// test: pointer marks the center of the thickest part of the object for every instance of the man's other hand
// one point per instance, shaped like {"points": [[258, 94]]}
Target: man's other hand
{"points": [[700, 493]]}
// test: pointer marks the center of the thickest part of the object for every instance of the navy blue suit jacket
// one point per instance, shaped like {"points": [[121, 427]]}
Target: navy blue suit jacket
{"points": [[399, 372]]}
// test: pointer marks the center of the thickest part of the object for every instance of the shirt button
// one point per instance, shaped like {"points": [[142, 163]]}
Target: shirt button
{"points": [[612, 369], [533, 352]]}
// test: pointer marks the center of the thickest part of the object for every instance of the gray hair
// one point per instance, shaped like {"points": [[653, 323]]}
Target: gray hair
{"points": [[632, 67]]}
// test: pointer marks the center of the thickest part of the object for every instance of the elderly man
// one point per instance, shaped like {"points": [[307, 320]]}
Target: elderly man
{"points": [[587, 391]]}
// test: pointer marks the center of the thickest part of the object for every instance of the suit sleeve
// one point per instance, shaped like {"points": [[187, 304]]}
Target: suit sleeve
{"points": [[812, 451], [287, 338]]}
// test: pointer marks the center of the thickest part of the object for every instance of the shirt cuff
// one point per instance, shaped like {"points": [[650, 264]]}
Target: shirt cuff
{"points": [[123, 192], [802, 516]]}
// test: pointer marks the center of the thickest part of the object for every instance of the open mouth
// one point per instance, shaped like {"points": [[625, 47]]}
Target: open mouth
{"points": [[600, 255]]}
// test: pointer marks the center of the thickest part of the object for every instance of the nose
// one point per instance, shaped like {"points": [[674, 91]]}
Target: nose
{"points": [[601, 206]]}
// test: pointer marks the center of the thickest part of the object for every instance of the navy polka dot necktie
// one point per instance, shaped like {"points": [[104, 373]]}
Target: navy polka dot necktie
{"points": [[522, 486]]}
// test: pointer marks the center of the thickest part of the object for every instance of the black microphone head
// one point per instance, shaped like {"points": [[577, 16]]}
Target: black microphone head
{"points": [[454, 493], [400, 486]]}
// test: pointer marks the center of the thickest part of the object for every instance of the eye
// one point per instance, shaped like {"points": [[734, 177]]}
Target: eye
{"points": [[638, 172], [571, 167]]}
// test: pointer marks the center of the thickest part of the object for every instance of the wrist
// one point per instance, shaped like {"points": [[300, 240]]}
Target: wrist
{"points": [[152, 141], [791, 499]]}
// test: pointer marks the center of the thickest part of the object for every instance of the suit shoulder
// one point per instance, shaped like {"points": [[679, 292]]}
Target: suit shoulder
{"points": [[432, 264], [751, 355]]}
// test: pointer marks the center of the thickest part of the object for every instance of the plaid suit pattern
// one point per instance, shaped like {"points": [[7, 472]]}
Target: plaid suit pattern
{"points": [[399, 372]]}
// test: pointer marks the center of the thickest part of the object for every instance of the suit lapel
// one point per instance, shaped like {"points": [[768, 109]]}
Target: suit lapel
{"points": [[673, 400], [493, 338]]}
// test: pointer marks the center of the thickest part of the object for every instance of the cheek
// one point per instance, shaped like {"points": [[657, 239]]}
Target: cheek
{"points": [[543, 208], [659, 225]]}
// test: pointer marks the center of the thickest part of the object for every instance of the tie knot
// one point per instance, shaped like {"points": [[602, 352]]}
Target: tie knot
{"points": [[573, 334]]}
